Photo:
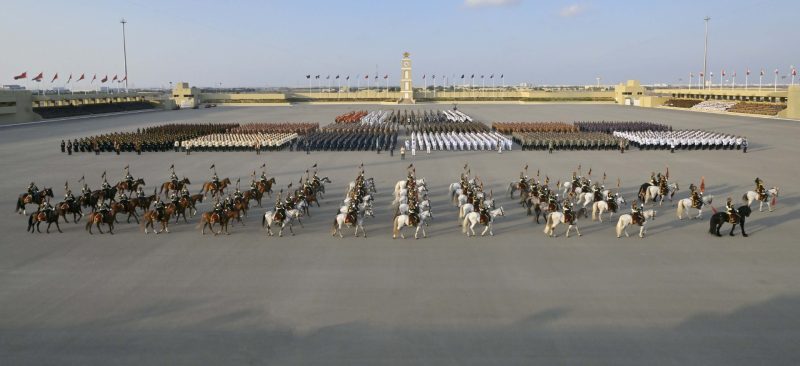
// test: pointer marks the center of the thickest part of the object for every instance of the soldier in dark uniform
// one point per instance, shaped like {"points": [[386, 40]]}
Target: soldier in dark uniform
{"points": [[128, 177], [218, 208], [733, 216], [33, 191], [102, 208], [238, 196], [228, 204], [762, 192], [185, 192], [174, 198], [69, 147], [140, 193], [106, 187], [69, 199], [566, 208], [653, 180], [215, 180], [63, 146], [636, 212], [160, 209], [123, 199], [352, 212], [696, 199]]}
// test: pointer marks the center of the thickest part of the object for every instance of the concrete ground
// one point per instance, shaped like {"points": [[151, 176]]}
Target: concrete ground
{"points": [[678, 296]]}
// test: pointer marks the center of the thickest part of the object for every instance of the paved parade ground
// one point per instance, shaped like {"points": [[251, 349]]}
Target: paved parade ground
{"points": [[678, 296]]}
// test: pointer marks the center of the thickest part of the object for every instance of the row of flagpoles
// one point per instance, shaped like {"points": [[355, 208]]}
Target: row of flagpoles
{"points": [[358, 78], [40, 78], [722, 74]]}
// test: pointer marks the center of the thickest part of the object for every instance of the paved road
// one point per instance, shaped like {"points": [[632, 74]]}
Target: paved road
{"points": [[678, 296]]}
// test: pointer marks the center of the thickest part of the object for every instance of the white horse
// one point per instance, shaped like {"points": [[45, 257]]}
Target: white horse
{"points": [[751, 196], [686, 204], [473, 218], [363, 206], [369, 183], [402, 209], [269, 219], [464, 210], [402, 185], [404, 220], [599, 207], [567, 187], [653, 193], [626, 220], [555, 218], [340, 221], [588, 197]]}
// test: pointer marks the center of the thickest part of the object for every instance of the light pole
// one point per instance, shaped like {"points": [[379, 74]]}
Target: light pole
{"points": [[705, 53], [125, 51]]}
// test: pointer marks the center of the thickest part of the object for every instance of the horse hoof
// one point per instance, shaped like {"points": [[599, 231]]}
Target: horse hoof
{"points": [[745, 235], [580, 234], [618, 236]]}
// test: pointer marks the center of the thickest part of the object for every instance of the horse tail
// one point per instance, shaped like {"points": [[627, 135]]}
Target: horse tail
{"points": [[464, 225], [263, 220], [19, 204], [30, 222], [548, 224], [680, 208], [89, 222], [594, 211], [712, 225], [395, 227], [744, 197], [333, 228], [620, 226]]}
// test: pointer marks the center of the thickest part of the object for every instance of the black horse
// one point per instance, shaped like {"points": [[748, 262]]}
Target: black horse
{"points": [[50, 217], [722, 217]]}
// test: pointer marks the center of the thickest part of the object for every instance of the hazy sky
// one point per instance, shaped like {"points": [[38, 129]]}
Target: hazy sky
{"points": [[276, 43]]}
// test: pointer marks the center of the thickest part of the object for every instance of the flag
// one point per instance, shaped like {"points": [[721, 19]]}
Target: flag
{"points": [[702, 184], [337, 77], [212, 166], [462, 76], [171, 167], [423, 76], [491, 76], [501, 76], [308, 76], [604, 176], [776, 71], [481, 76], [590, 172], [537, 172], [314, 166], [115, 78], [701, 74], [24, 75], [748, 71], [433, 76], [328, 77], [124, 79], [619, 182], [93, 78], [316, 77], [774, 200], [366, 76], [264, 165], [348, 77], [472, 76], [69, 79], [385, 76], [667, 174], [526, 167], [794, 72], [104, 79], [103, 175], [723, 72], [734, 74], [691, 75], [762, 72], [83, 76], [54, 77]]}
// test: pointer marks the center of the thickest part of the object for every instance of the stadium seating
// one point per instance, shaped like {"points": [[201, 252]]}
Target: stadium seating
{"points": [[89, 109], [767, 109], [714, 106], [682, 103]]}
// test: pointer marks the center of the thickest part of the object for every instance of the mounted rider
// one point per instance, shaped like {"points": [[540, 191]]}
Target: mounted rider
{"points": [[69, 199], [576, 180], [46, 207], [122, 198], [128, 177], [611, 201], [762, 192], [173, 178], [238, 196], [733, 216], [636, 212], [160, 209], [33, 191], [103, 209], [228, 203], [280, 209], [413, 214], [173, 198], [185, 192], [697, 196], [140, 193], [352, 212], [106, 187], [566, 208], [253, 187], [596, 190], [653, 179], [262, 179], [218, 208]]}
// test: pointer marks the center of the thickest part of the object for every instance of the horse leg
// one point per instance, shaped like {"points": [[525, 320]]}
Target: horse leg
{"points": [[741, 225], [569, 227], [37, 226], [577, 230], [99, 229], [485, 229], [291, 228], [625, 229], [58, 227], [732, 228]]}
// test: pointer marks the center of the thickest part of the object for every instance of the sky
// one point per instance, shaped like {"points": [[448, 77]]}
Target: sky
{"points": [[276, 43]]}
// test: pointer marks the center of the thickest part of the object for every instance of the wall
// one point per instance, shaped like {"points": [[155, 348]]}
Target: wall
{"points": [[16, 107]]}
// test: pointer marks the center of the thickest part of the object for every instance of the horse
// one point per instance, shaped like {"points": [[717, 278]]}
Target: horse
{"points": [[649, 192], [50, 217], [567, 187], [341, 220], [269, 219], [318, 187], [64, 208], [770, 195], [180, 209], [686, 204], [405, 220], [517, 186], [626, 220], [97, 218], [555, 218], [103, 194], [128, 208], [150, 217], [265, 187], [589, 197], [473, 218], [541, 207], [143, 203], [602, 206], [210, 187], [369, 184], [720, 218], [193, 199], [254, 195], [124, 186], [402, 184], [167, 187], [26, 199]]}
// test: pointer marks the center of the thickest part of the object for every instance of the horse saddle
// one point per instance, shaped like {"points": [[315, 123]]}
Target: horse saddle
{"points": [[762, 197], [214, 217], [598, 196], [569, 217], [638, 219], [28, 198], [350, 218], [662, 190], [551, 207], [697, 204], [279, 216], [484, 218], [413, 219], [41, 216], [733, 218], [612, 206]]}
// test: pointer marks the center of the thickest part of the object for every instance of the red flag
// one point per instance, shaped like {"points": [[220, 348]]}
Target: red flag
{"points": [[713, 209], [104, 79], [748, 71], [774, 200], [794, 72], [38, 77], [385, 77], [667, 174], [70, 78], [125, 78], [83, 76], [93, 78], [115, 78], [24, 75], [54, 77], [702, 184]]}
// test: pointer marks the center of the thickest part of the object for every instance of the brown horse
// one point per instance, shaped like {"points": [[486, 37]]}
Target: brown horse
{"points": [[124, 186], [27, 199], [193, 199], [151, 216], [253, 195], [64, 208], [36, 218], [180, 209], [208, 219], [129, 208], [97, 218], [265, 187], [167, 187], [210, 187], [241, 206]]}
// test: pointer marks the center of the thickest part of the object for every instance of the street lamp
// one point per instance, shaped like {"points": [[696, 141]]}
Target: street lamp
{"points": [[705, 54], [125, 51]]}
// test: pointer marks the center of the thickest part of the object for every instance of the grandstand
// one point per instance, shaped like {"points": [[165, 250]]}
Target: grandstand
{"points": [[766, 109], [90, 109]]}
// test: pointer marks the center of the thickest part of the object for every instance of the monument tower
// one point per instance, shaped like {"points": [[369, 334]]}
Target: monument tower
{"points": [[406, 88]]}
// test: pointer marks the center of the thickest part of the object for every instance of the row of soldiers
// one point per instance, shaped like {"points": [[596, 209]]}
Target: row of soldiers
{"points": [[150, 139], [568, 141]]}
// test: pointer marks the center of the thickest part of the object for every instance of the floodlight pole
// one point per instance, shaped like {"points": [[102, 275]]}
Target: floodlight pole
{"points": [[125, 51], [705, 53]]}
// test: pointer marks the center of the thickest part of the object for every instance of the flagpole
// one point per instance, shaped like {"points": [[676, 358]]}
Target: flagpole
{"points": [[746, 77], [691, 77], [775, 84], [733, 82]]}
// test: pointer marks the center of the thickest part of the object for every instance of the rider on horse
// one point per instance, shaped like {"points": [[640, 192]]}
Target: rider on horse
{"points": [[218, 208], [636, 212], [102, 208], [185, 192], [238, 195], [733, 216], [566, 208], [653, 179], [69, 198], [352, 212], [106, 187], [173, 197], [140, 193], [262, 179], [413, 215], [174, 179], [215, 180], [123, 198], [160, 209], [762, 192], [46, 207], [253, 187], [697, 199], [598, 195], [33, 191], [280, 209], [128, 177]]}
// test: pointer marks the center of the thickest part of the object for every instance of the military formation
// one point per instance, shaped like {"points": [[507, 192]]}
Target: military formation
{"points": [[611, 126], [683, 139], [412, 206], [150, 139], [350, 137], [553, 141]]}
